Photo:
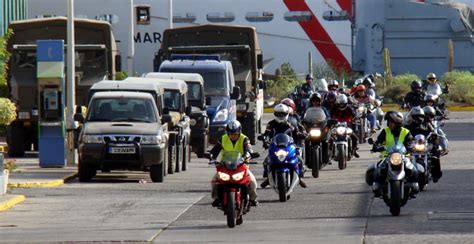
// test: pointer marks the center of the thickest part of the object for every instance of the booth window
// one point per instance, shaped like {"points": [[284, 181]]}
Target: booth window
{"points": [[259, 16], [186, 18], [298, 16], [220, 17], [143, 15]]}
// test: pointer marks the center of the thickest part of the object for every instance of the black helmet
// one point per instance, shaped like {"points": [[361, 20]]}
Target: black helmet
{"points": [[315, 97], [368, 82], [309, 77], [233, 127], [331, 96], [394, 116], [415, 85], [429, 111], [417, 114]]}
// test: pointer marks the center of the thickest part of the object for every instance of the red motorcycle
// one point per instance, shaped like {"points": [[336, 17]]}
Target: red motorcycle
{"points": [[232, 182]]}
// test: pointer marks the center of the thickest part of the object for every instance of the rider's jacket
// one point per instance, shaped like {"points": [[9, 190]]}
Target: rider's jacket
{"points": [[364, 99], [345, 115], [387, 137], [417, 128], [308, 87], [274, 128], [414, 99], [242, 145]]}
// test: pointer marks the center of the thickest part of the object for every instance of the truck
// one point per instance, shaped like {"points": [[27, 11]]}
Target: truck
{"points": [[96, 58], [237, 44]]}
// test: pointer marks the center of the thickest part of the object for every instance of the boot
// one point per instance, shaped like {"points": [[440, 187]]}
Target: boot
{"points": [[265, 183], [216, 202], [376, 189], [253, 203], [356, 154], [302, 183]]}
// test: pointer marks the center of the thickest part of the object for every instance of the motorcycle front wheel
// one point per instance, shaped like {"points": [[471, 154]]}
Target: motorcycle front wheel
{"points": [[315, 158], [230, 209], [281, 186], [341, 156], [395, 197]]}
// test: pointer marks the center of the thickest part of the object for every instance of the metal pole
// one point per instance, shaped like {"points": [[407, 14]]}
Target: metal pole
{"points": [[131, 41], [170, 14], [71, 95], [310, 63]]}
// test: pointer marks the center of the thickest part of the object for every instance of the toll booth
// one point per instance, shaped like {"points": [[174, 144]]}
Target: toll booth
{"points": [[50, 74]]}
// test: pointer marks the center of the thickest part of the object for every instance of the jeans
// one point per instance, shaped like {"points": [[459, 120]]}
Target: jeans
{"points": [[372, 120]]}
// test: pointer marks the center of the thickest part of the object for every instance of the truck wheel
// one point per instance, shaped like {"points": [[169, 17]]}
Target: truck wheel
{"points": [[85, 172], [186, 157], [157, 172], [171, 159], [179, 158], [201, 151], [16, 140]]}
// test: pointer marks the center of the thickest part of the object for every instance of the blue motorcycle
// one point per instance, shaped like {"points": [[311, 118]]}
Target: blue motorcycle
{"points": [[283, 170]]}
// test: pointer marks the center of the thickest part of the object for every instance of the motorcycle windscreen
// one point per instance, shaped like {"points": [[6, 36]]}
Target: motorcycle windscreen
{"points": [[397, 148], [314, 115], [231, 159], [282, 140]]}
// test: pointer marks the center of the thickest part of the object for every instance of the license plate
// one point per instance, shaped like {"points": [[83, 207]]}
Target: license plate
{"points": [[122, 150]]}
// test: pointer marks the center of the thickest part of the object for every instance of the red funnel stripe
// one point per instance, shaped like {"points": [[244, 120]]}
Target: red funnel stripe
{"points": [[346, 5], [320, 37]]}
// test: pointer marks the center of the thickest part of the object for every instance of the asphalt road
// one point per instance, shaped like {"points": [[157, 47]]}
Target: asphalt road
{"points": [[336, 208]]}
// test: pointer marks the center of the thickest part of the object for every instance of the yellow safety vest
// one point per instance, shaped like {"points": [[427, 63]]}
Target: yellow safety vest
{"points": [[228, 146], [390, 139]]}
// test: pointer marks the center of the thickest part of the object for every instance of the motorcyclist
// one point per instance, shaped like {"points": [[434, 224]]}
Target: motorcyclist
{"points": [[415, 97], [279, 124], [294, 119], [430, 114], [345, 113], [306, 90], [234, 140], [360, 95], [432, 100], [431, 85], [387, 138], [333, 85], [330, 101], [315, 101]]}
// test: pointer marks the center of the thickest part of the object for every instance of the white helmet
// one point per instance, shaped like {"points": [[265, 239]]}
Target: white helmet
{"points": [[322, 84], [281, 112], [341, 101]]}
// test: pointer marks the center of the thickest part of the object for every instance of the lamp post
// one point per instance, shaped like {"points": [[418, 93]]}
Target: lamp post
{"points": [[71, 86]]}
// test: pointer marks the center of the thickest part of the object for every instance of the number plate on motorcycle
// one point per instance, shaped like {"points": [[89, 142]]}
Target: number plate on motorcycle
{"points": [[122, 150]]}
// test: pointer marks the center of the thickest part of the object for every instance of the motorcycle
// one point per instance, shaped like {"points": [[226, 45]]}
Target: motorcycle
{"points": [[232, 182], [317, 152], [360, 121], [301, 101], [395, 188], [341, 144], [282, 165], [423, 158]]}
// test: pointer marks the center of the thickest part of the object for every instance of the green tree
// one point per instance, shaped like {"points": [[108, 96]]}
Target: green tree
{"points": [[4, 56], [287, 70]]}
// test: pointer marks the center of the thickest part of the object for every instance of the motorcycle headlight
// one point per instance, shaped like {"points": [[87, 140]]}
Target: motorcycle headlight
{"points": [[340, 130], [281, 154], [361, 109], [150, 140], [315, 133], [418, 147], [93, 139], [238, 176], [221, 115], [223, 176], [396, 159]]}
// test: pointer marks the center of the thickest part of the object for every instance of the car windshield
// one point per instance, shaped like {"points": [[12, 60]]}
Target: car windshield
{"points": [[215, 82], [122, 109], [172, 100], [231, 159], [194, 91]]}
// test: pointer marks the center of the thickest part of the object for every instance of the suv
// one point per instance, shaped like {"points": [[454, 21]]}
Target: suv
{"points": [[219, 89], [122, 130], [199, 121]]}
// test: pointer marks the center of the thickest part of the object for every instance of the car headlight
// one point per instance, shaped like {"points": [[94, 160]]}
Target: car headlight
{"points": [[93, 139], [281, 154], [221, 115], [315, 133], [418, 147], [238, 176], [192, 122], [149, 140], [395, 159], [340, 130], [223, 176]]}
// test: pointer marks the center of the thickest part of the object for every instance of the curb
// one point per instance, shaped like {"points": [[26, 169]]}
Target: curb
{"points": [[11, 203], [52, 183]]}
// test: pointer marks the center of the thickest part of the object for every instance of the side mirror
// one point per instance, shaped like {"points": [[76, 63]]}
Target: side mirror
{"points": [[370, 141], [118, 63], [79, 117], [259, 61], [157, 60], [208, 100], [235, 93], [166, 118], [262, 85], [255, 155], [188, 110]]}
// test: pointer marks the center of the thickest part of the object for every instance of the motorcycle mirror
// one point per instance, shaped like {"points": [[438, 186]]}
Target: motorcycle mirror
{"points": [[254, 155], [260, 138], [370, 141]]}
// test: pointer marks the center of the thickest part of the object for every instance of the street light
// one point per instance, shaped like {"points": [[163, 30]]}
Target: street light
{"points": [[71, 86]]}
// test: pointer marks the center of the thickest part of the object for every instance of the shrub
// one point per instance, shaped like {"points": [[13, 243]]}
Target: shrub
{"points": [[121, 75], [280, 87], [397, 89], [461, 88], [7, 111]]}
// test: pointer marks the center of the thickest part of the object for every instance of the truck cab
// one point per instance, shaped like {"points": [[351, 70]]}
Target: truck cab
{"points": [[122, 130], [219, 90], [199, 120]]}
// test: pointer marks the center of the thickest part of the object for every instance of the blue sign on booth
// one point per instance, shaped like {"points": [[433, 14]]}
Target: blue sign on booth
{"points": [[50, 50]]}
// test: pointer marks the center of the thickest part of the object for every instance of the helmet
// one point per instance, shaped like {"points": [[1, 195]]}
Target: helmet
{"points": [[309, 77], [341, 101], [331, 96], [233, 127], [394, 117], [281, 112], [429, 111], [316, 96], [431, 97], [417, 114], [431, 76], [368, 82], [289, 102], [322, 84], [333, 83], [415, 85], [360, 88], [358, 81]]}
